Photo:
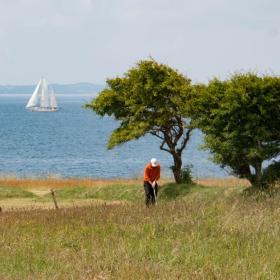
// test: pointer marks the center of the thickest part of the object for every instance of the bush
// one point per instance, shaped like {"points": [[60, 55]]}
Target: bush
{"points": [[186, 174], [271, 174]]}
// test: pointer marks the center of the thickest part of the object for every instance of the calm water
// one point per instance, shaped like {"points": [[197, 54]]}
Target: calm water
{"points": [[72, 143]]}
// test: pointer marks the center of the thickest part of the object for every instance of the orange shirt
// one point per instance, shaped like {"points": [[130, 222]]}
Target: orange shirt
{"points": [[151, 173]]}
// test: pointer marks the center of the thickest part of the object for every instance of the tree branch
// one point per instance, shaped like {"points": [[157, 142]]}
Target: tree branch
{"points": [[157, 135], [180, 130], [164, 149], [185, 141], [169, 142]]}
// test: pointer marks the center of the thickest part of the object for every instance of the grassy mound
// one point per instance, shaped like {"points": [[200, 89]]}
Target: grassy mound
{"points": [[12, 192], [173, 191], [167, 192]]}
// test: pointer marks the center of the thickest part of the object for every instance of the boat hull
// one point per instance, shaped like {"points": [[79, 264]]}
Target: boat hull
{"points": [[41, 109]]}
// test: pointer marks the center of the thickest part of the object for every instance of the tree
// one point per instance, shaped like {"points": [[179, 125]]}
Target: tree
{"points": [[240, 118], [149, 98]]}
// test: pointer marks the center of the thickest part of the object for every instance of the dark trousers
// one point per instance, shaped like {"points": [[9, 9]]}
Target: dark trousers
{"points": [[149, 193]]}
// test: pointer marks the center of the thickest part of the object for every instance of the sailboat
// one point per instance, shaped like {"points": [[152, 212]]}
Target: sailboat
{"points": [[43, 98]]}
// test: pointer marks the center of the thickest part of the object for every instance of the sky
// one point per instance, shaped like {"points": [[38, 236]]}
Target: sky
{"points": [[69, 41]]}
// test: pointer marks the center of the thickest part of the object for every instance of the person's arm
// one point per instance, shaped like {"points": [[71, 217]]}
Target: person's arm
{"points": [[157, 177], [147, 176]]}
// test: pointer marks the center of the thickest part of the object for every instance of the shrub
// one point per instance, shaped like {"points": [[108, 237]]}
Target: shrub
{"points": [[186, 174], [271, 174]]}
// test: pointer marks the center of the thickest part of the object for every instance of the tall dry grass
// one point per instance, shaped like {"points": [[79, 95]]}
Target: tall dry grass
{"points": [[209, 233], [223, 182], [58, 183]]}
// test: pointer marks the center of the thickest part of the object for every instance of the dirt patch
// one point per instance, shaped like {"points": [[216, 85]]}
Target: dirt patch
{"points": [[39, 192]]}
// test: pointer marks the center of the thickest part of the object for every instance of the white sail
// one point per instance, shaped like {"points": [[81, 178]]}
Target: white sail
{"points": [[43, 98], [33, 101], [53, 102]]}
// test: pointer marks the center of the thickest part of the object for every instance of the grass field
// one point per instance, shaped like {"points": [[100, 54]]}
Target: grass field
{"points": [[213, 230]]}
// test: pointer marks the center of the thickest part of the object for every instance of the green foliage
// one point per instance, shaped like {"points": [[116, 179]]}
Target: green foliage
{"points": [[185, 173], [240, 118], [147, 97], [271, 174]]}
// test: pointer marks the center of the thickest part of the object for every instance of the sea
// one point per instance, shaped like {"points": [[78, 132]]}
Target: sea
{"points": [[72, 143]]}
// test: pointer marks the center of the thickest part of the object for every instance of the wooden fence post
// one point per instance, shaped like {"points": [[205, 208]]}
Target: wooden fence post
{"points": [[54, 199]]}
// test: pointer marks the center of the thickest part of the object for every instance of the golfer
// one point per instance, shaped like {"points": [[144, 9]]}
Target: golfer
{"points": [[151, 177]]}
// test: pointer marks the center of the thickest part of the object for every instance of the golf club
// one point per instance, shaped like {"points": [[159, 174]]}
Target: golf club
{"points": [[155, 196]]}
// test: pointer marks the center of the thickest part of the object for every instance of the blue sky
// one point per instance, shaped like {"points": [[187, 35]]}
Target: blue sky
{"points": [[71, 41]]}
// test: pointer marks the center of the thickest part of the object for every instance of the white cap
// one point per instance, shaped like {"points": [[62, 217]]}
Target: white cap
{"points": [[154, 162]]}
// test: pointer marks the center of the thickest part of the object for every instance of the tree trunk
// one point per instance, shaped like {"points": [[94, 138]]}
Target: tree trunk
{"points": [[177, 167], [257, 179], [171, 135]]}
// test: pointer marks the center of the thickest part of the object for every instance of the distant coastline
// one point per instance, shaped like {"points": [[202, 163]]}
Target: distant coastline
{"points": [[77, 88]]}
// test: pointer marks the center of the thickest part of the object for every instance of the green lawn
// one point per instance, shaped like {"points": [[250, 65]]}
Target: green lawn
{"points": [[115, 192]]}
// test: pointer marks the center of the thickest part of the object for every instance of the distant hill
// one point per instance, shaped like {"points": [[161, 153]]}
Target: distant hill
{"points": [[79, 88]]}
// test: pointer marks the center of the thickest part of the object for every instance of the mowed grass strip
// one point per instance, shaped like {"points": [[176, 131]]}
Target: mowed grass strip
{"points": [[110, 192], [205, 233]]}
